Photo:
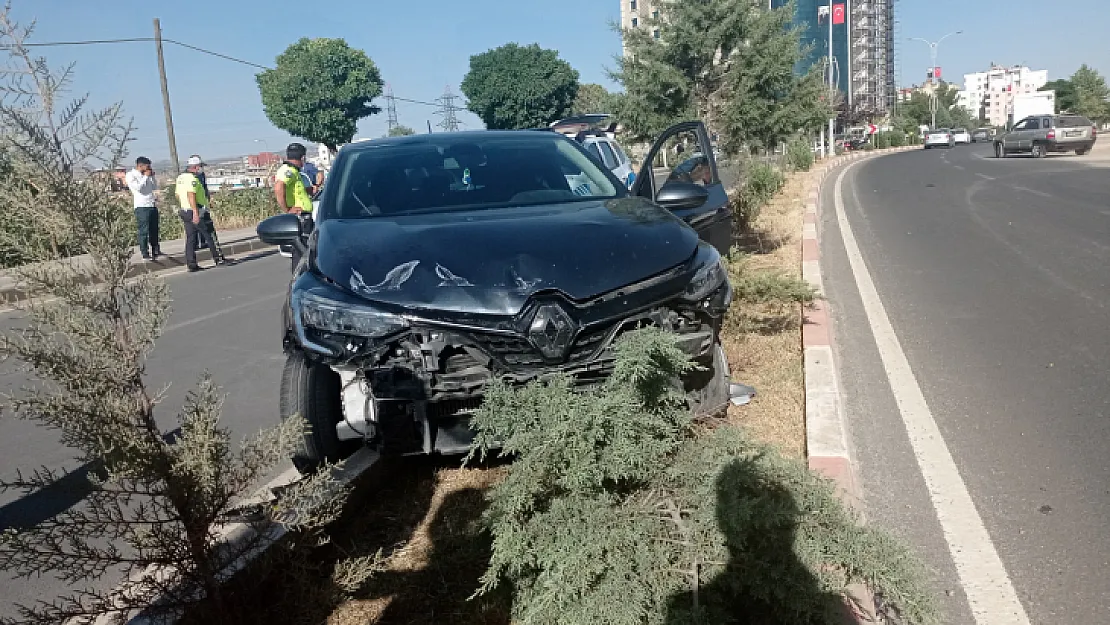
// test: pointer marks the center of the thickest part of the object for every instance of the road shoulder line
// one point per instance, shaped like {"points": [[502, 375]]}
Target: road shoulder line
{"points": [[989, 590]]}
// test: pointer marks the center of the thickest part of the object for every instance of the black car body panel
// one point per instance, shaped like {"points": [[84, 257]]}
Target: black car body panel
{"points": [[490, 262], [506, 292]]}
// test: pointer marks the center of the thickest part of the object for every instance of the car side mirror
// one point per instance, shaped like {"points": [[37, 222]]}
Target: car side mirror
{"points": [[280, 230], [682, 195]]}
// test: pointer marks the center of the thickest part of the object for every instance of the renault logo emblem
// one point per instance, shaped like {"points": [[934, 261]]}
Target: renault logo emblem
{"points": [[552, 331]]}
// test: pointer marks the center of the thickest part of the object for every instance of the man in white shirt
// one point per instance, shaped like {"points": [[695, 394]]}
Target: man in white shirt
{"points": [[143, 188]]}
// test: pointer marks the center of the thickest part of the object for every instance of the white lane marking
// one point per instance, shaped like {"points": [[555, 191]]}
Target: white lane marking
{"points": [[1033, 191], [959, 167], [990, 593], [985, 177], [218, 313]]}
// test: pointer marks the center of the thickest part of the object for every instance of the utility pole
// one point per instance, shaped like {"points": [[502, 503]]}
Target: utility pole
{"points": [[390, 109], [166, 96], [832, 83]]}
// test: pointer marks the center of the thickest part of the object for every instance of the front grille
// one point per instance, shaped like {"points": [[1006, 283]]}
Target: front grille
{"points": [[517, 352]]}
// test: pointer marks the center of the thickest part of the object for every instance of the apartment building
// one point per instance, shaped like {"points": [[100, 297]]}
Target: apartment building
{"points": [[637, 13], [991, 94]]}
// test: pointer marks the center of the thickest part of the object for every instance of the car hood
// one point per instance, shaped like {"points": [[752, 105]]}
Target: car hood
{"points": [[491, 261]]}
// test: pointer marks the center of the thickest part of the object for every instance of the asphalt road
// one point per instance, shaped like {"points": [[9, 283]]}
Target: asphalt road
{"points": [[226, 321], [994, 276]]}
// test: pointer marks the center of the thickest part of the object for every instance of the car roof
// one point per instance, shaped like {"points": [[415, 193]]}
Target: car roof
{"points": [[425, 138]]}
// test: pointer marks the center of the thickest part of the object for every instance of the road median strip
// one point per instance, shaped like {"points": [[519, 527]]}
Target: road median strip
{"points": [[241, 241]]}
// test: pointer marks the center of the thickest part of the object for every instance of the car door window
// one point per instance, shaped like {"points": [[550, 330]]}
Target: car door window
{"points": [[1024, 125], [607, 155], [683, 158], [1046, 122], [622, 158], [594, 152]]}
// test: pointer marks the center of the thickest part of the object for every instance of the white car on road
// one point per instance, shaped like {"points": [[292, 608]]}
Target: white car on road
{"points": [[941, 137], [961, 135]]}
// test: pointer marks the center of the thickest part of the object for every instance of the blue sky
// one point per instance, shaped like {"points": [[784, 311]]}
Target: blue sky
{"points": [[423, 46]]}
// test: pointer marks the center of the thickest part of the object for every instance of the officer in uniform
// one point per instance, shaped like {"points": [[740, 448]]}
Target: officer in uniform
{"points": [[289, 188], [193, 201]]}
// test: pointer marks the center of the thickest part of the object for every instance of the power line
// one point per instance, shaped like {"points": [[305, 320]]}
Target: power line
{"points": [[85, 42]]}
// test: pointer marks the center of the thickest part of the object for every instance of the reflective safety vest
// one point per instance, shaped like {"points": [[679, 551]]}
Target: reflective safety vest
{"points": [[295, 192], [186, 183]]}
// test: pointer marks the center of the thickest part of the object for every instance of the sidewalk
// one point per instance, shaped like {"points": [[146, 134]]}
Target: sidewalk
{"points": [[232, 242]]}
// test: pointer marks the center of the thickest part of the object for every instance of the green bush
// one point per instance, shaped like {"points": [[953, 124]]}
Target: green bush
{"points": [[799, 154], [897, 139], [882, 140], [763, 181], [617, 511]]}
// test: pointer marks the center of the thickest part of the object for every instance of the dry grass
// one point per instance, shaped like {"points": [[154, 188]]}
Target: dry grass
{"points": [[766, 350], [427, 521]]}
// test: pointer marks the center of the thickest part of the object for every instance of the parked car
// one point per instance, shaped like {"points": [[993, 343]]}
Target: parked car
{"points": [[1041, 134], [941, 137], [961, 135], [857, 142], [440, 262], [609, 153], [983, 135]]}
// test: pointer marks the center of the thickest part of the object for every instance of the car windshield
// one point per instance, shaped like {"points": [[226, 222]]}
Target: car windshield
{"points": [[467, 171]]}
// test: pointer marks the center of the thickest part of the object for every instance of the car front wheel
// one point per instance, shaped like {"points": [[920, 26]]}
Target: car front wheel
{"points": [[999, 151], [312, 390], [1038, 150]]}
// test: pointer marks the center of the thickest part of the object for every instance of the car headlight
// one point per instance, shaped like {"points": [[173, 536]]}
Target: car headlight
{"points": [[709, 277], [339, 317]]}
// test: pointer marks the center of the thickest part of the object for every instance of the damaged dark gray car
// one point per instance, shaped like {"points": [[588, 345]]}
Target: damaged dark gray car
{"points": [[439, 262]]}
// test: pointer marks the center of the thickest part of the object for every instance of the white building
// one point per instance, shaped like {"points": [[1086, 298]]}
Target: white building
{"points": [[990, 94]]}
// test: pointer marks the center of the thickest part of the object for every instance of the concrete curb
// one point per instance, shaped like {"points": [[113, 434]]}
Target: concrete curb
{"points": [[13, 292], [827, 447]]}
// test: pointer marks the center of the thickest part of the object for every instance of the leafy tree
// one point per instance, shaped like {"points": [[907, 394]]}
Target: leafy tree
{"points": [[592, 98], [1066, 97], [320, 89], [1091, 94], [728, 62], [401, 131], [615, 512], [518, 86], [85, 337]]}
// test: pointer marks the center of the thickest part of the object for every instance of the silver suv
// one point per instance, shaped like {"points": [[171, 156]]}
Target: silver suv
{"points": [[1040, 134]]}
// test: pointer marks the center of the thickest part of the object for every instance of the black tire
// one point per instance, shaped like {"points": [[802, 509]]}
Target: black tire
{"points": [[1082, 151], [707, 390], [313, 391], [1038, 150], [999, 151]]}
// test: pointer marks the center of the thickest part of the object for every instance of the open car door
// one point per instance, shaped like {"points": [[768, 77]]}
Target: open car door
{"points": [[680, 173]]}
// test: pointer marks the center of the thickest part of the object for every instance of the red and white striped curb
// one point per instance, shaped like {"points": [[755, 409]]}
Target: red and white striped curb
{"points": [[826, 430]]}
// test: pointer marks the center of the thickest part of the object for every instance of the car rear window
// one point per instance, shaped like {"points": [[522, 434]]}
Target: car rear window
{"points": [[1072, 121]]}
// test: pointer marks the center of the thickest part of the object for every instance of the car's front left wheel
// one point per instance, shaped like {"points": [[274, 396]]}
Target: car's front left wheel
{"points": [[313, 391]]}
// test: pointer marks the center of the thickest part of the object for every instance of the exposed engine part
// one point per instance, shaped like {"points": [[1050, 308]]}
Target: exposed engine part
{"points": [[360, 413]]}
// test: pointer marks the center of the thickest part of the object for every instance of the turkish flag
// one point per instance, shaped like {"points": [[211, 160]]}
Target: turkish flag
{"points": [[838, 13]]}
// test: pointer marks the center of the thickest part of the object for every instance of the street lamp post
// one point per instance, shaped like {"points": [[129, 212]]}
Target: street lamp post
{"points": [[933, 68]]}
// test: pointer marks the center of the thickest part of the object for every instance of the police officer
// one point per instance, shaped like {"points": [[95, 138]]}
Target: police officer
{"points": [[289, 188], [193, 200]]}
